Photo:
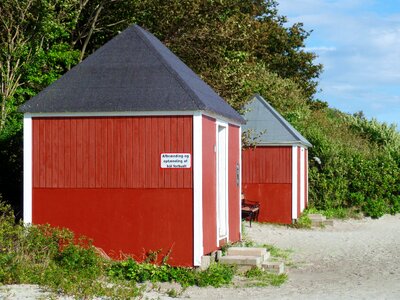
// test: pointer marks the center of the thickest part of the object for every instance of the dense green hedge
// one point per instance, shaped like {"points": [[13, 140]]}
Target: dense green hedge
{"points": [[360, 163]]}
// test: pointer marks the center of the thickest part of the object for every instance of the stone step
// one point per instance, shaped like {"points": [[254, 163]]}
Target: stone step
{"points": [[316, 217], [241, 260], [246, 251], [274, 267]]}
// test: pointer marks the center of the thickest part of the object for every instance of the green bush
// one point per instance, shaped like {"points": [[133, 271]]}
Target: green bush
{"points": [[264, 278], [217, 275], [53, 258], [360, 164]]}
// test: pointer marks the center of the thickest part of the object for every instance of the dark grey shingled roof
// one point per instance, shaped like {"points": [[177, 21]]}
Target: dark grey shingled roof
{"points": [[132, 72], [261, 116]]}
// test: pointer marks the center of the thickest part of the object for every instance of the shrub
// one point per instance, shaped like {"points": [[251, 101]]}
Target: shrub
{"points": [[217, 275]]}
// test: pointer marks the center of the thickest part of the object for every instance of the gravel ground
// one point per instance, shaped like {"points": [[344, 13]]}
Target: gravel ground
{"points": [[354, 259]]}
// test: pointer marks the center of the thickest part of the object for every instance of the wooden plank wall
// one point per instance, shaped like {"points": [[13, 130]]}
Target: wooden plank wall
{"points": [[267, 165], [109, 152]]}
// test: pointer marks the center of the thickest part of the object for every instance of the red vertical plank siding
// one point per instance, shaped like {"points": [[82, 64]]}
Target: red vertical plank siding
{"points": [[47, 156], [67, 158], [92, 153], [35, 154], [79, 154], [167, 147], [102, 178], [41, 155], [271, 186], [209, 185], [54, 154], [61, 154], [123, 151], [298, 181], [233, 187], [187, 133], [85, 153], [136, 153], [73, 139]]}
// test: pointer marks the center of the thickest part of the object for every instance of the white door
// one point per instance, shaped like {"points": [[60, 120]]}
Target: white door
{"points": [[222, 182]]}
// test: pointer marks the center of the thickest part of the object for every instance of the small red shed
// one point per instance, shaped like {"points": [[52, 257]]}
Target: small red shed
{"points": [[132, 149], [275, 172]]}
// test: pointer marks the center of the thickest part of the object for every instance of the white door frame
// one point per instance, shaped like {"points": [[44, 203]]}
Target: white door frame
{"points": [[222, 187]]}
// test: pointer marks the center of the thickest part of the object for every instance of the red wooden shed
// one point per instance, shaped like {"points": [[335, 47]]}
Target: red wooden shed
{"points": [[275, 172], [132, 149]]}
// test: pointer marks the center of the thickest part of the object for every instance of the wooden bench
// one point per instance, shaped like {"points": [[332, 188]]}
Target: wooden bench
{"points": [[250, 210]]}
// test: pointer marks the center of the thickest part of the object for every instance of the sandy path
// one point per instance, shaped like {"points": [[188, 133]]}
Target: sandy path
{"points": [[354, 259]]}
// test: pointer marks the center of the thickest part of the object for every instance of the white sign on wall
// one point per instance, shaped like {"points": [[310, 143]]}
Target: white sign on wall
{"points": [[175, 160]]}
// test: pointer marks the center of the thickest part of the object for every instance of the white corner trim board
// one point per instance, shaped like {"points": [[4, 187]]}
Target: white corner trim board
{"points": [[197, 189], [27, 169], [294, 182], [240, 181], [302, 180]]}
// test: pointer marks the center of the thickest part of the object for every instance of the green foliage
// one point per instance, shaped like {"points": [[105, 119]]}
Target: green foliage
{"points": [[50, 257], [360, 166], [218, 37], [303, 222], [337, 213], [263, 278], [217, 275]]}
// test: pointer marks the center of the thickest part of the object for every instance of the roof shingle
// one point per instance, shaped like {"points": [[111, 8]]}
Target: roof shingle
{"points": [[263, 119], [132, 72]]}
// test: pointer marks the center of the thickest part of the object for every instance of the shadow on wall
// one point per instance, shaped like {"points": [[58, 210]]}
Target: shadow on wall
{"points": [[11, 161]]}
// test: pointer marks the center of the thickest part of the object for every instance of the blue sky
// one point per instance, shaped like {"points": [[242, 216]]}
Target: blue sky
{"points": [[358, 42]]}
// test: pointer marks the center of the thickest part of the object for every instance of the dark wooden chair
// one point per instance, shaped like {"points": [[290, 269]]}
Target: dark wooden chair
{"points": [[250, 210]]}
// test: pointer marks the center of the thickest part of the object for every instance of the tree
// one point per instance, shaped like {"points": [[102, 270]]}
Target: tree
{"points": [[32, 43], [209, 35]]}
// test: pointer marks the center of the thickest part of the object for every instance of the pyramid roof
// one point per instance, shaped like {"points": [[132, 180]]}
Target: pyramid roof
{"points": [[268, 126], [132, 72]]}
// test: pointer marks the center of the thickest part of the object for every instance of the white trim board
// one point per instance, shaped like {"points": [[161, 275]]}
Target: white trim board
{"points": [[240, 183], [294, 183], [131, 114], [27, 169], [198, 248], [302, 180]]}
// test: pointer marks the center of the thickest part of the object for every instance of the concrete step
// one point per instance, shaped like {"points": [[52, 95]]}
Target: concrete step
{"points": [[274, 267], [245, 251], [241, 260], [318, 220], [328, 222], [316, 217]]}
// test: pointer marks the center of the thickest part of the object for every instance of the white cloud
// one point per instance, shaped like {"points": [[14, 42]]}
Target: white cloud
{"points": [[320, 49], [358, 42]]}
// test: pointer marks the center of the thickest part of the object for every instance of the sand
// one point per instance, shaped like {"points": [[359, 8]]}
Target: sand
{"points": [[354, 259]]}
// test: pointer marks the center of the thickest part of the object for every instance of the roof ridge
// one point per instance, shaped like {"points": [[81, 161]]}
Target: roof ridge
{"points": [[169, 68]]}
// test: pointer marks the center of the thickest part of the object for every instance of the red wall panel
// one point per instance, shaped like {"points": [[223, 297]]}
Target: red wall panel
{"points": [[131, 221], [267, 178], [275, 201], [101, 177], [233, 187], [267, 165], [209, 186], [94, 152]]}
